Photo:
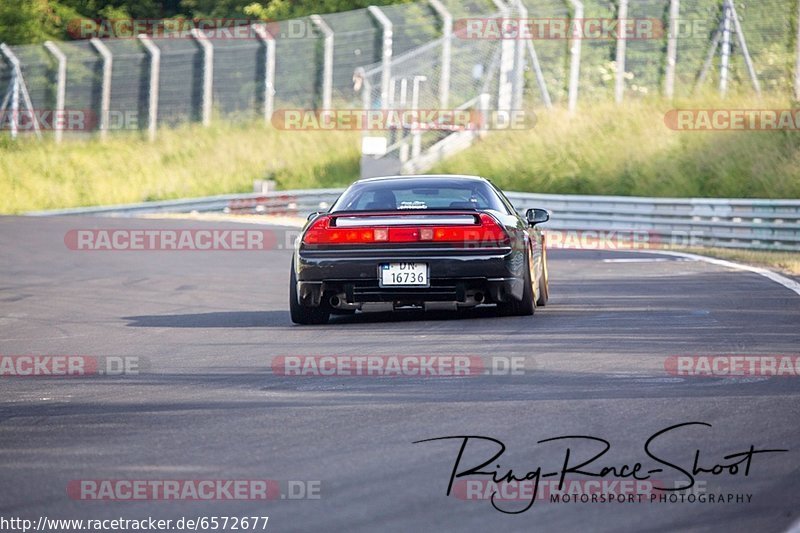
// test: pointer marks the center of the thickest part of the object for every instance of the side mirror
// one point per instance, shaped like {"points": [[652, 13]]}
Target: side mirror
{"points": [[537, 216]]}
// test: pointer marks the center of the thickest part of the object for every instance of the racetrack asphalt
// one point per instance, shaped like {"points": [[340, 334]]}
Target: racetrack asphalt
{"points": [[207, 404]]}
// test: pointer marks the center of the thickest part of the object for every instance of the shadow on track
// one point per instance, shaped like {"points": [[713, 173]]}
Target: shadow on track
{"points": [[220, 319], [266, 319]]}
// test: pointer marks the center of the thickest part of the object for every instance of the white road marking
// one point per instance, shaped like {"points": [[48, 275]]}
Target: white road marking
{"points": [[794, 528], [649, 260], [790, 284]]}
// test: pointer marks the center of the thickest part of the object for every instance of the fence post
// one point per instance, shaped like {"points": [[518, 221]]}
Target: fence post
{"points": [[155, 71], [327, 67], [447, 56], [416, 140], [208, 73], [484, 100], [797, 65], [386, 53], [672, 48], [743, 43], [105, 91], [505, 89], [575, 54], [61, 88], [726, 49], [18, 89], [13, 90], [622, 44], [269, 70], [519, 58]]}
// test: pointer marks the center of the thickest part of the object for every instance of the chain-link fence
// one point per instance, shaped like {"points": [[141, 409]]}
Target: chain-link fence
{"points": [[434, 54]]}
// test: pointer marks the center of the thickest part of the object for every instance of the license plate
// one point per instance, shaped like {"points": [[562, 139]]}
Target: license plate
{"points": [[403, 275]]}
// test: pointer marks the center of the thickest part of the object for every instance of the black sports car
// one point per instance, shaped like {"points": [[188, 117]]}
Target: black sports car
{"points": [[418, 241]]}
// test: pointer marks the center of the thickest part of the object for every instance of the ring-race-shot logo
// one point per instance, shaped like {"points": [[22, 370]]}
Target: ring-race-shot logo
{"points": [[170, 240], [409, 366]]}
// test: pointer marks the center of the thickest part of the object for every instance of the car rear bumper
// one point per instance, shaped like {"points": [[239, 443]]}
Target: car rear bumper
{"points": [[494, 275]]}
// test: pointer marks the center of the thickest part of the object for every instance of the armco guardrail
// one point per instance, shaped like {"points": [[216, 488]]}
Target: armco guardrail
{"points": [[279, 202], [730, 223]]}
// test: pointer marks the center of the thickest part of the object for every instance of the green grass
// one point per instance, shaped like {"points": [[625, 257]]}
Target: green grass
{"points": [[183, 162], [601, 149], [629, 151]]}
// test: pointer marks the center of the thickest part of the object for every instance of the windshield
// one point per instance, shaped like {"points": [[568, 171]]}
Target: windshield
{"points": [[419, 194]]}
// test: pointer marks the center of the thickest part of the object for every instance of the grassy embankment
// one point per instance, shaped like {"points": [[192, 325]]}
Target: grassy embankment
{"points": [[183, 162]]}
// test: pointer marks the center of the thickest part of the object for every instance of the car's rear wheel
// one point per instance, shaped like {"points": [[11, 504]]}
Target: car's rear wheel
{"points": [[527, 305], [300, 313], [544, 284]]}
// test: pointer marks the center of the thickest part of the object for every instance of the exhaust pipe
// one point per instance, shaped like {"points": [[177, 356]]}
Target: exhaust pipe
{"points": [[478, 297], [334, 301]]}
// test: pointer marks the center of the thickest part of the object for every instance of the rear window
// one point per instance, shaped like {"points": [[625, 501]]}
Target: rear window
{"points": [[419, 194]]}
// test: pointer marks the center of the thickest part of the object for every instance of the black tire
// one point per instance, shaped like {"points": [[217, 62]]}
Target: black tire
{"points": [[527, 305], [300, 313], [544, 284]]}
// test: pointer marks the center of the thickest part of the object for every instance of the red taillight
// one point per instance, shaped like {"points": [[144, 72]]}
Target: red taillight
{"points": [[485, 232]]}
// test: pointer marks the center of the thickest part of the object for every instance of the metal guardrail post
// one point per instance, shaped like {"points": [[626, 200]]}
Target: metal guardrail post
{"points": [[447, 55], [61, 88], [622, 46], [208, 73], [672, 48], [575, 54], [105, 91], [386, 53], [269, 69], [327, 67], [155, 72]]}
